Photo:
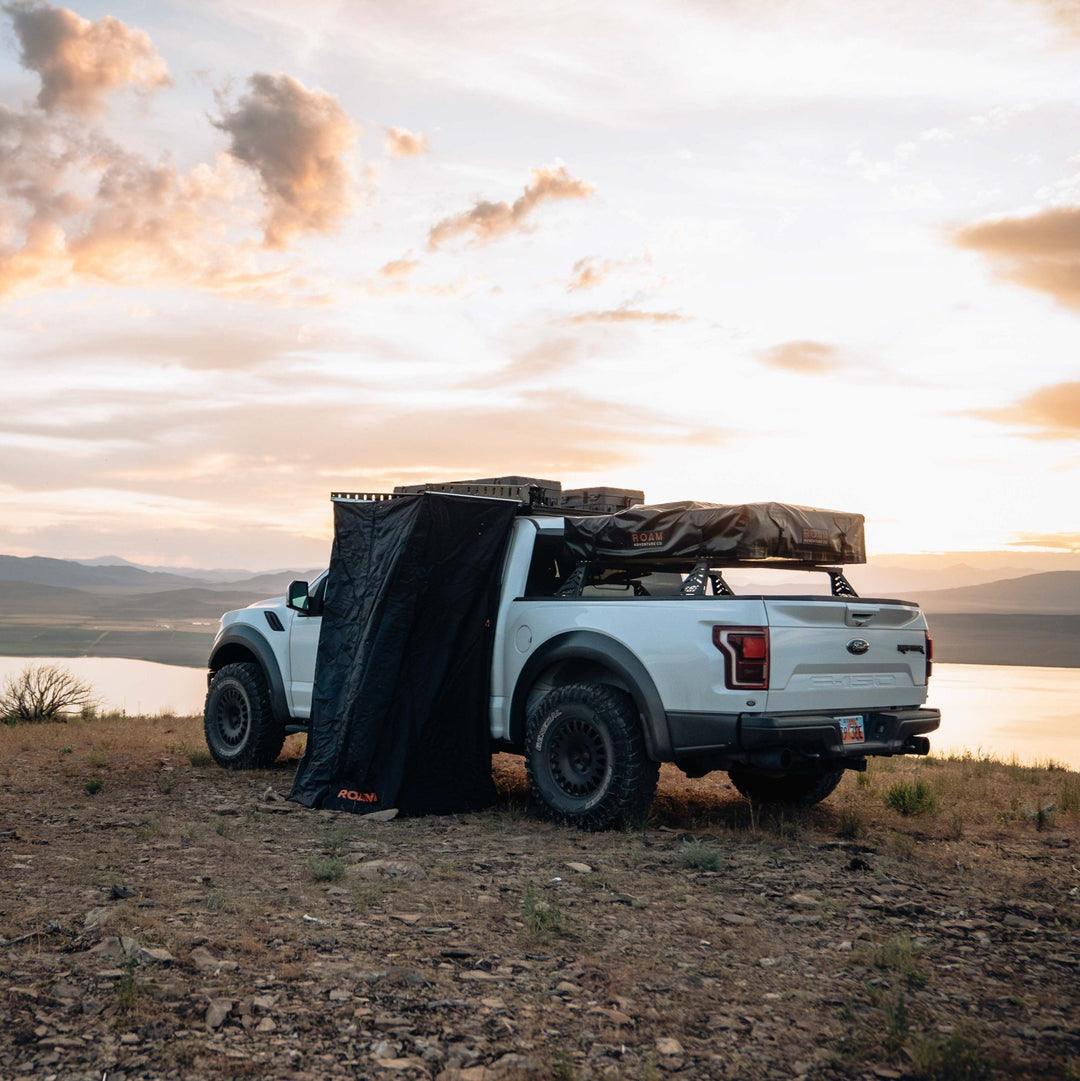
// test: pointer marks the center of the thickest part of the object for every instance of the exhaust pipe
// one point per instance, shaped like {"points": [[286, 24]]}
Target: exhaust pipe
{"points": [[772, 760], [916, 745]]}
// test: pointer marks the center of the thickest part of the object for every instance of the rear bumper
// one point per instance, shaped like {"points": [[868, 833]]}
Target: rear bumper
{"points": [[888, 731], [783, 740]]}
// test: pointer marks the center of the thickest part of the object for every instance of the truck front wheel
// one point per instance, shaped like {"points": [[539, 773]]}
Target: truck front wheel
{"points": [[586, 760], [795, 789], [241, 731]]}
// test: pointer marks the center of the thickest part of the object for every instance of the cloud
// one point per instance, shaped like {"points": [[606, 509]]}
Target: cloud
{"points": [[488, 221], [806, 357], [76, 207], [1067, 542], [234, 452], [79, 61], [588, 273], [397, 269], [546, 357], [399, 143], [1040, 251], [1052, 412], [626, 315], [296, 141]]}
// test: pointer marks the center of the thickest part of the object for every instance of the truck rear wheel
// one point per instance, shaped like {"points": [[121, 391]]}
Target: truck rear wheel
{"points": [[241, 731], [586, 760], [794, 789]]}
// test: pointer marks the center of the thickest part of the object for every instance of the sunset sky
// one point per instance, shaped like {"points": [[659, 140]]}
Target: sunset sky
{"points": [[251, 251]]}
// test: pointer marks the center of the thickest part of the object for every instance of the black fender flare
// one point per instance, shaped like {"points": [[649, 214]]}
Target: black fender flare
{"points": [[240, 639], [598, 649]]}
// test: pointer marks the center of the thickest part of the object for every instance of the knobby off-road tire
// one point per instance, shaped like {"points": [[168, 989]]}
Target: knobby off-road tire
{"points": [[585, 758], [241, 731], [794, 789]]}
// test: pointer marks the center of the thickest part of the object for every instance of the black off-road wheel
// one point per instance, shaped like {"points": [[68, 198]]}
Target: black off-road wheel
{"points": [[793, 789], [241, 731], [586, 760]]}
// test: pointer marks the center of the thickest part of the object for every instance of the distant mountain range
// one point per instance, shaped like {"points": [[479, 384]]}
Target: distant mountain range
{"points": [[952, 587], [985, 608], [1051, 593], [101, 576]]}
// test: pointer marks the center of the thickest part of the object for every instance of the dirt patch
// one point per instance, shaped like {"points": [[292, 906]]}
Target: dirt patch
{"points": [[161, 918]]}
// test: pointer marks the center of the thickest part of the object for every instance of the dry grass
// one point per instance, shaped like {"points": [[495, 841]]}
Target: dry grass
{"points": [[713, 909]]}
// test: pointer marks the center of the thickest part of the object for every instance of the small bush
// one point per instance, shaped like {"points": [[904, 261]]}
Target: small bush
{"points": [[700, 856], [200, 758], [899, 955], [851, 824], [958, 1058], [93, 786], [897, 1024], [326, 869], [127, 990], [1070, 794], [911, 798], [43, 692], [542, 919]]}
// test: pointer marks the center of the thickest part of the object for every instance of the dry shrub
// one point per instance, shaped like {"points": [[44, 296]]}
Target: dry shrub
{"points": [[44, 692]]}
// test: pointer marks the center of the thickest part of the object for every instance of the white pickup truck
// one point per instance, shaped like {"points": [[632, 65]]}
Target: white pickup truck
{"points": [[604, 668]]}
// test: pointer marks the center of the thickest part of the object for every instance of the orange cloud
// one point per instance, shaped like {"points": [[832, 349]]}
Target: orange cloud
{"points": [[809, 358], [79, 61], [1061, 542], [398, 268], [626, 315], [74, 206], [399, 143], [488, 221], [1052, 412], [296, 141], [588, 274], [1040, 251]]}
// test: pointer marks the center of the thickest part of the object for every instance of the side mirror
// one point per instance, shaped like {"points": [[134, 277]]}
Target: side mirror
{"points": [[297, 596]]}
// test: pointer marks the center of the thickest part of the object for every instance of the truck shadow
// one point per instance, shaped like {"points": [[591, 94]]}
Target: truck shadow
{"points": [[684, 804]]}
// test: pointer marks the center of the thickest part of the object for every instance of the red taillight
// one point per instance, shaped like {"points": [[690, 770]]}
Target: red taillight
{"points": [[746, 656], [929, 657]]}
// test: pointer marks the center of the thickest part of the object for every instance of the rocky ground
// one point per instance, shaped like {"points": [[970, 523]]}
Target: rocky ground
{"points": [[161, 918]]}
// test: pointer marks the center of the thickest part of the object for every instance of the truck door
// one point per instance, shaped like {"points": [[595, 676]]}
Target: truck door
{"points": [[303, 647]]}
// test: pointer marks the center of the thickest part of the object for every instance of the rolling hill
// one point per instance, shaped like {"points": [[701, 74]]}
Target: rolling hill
{"points": [[1050, 593]]}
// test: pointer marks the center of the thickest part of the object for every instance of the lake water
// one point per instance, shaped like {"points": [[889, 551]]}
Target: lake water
{"points": [[128, 686], [1032, 713]]}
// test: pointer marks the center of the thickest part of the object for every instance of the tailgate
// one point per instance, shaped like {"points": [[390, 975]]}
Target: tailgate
{"points": [[839, 654]]}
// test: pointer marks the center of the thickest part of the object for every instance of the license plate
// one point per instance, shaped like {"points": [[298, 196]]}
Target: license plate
{"points": [[851, 728]]}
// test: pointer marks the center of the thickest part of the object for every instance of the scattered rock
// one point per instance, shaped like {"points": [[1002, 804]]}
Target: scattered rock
{"points": [[579, 868], [217, 1012], [666, 1045], [96, 918], [114, 949], [736, 920], [406, 869], [146, 955]]}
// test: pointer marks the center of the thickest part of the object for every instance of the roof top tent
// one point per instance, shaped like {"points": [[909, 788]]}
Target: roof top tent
{"points": [[711, 536], [399, 706]]}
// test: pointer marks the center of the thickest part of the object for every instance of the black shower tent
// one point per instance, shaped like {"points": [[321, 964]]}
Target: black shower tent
{"points": [[399, 708]]}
